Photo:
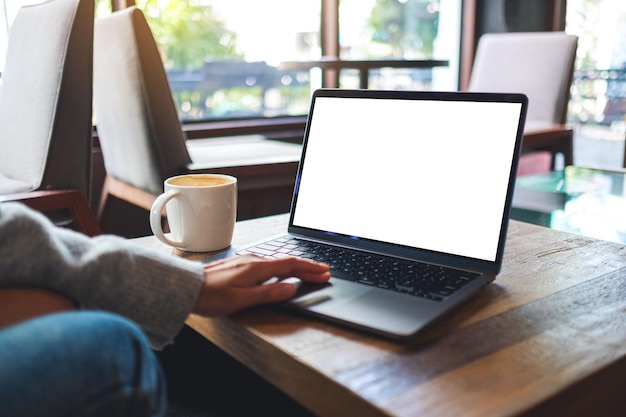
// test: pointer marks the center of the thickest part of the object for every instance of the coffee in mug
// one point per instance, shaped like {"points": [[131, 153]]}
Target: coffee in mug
{"points": [[201, 210], [199, 180]]}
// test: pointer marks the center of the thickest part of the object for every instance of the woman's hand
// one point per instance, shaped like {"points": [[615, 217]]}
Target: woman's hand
{"points": [[244, 281]]}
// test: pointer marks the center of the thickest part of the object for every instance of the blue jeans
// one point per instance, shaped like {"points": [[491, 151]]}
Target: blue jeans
{"points": [[80, 363]]}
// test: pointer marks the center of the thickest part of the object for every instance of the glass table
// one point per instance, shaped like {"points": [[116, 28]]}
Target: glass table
{"points": [[586, 201]]}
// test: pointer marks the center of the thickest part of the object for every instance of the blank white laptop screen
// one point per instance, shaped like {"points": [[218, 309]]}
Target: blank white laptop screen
{"points": [[420, 173]]}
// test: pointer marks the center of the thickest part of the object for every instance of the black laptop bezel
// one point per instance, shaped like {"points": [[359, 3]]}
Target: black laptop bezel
{"points": [[429, 256]]}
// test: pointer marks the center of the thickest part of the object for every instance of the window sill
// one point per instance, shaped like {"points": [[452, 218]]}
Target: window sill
{"points": [[290, 129]]}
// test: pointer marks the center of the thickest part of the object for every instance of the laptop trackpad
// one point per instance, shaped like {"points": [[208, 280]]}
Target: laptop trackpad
{"points": [[379, 310], [330, 295]]}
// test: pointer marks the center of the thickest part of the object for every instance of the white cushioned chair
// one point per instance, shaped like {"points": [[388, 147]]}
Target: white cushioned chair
{"points": [[139, 129], [45, 111], [538, 64]]}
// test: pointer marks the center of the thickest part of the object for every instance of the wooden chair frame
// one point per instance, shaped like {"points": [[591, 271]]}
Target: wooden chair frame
{"points": [[49, 200]]}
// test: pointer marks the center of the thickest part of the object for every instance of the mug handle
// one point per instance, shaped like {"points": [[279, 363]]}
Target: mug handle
{"points": [[155, 219]]}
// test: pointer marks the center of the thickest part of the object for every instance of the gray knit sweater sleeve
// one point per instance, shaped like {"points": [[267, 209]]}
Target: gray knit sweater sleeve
{"points": [[156, 290]]}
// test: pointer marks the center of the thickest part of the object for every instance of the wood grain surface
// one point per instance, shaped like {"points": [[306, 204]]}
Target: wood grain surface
{"points": [[547, 338]]}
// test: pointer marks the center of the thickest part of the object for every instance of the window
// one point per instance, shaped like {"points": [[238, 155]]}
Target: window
{"points": [[598, 102], [409, 29], [223, 56]]}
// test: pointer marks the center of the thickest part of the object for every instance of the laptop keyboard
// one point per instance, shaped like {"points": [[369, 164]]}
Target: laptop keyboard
{"points": [[409, 277]]}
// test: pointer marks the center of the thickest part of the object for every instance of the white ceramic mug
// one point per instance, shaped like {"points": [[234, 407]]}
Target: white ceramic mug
{"points": [[201, 210]]}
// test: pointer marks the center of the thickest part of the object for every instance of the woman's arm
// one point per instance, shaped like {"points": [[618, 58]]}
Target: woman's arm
{"points": [[154, 289], [106, 273]]}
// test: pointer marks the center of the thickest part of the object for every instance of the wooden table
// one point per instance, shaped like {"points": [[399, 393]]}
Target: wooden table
{"points": [[547, 338], [363, 66]]}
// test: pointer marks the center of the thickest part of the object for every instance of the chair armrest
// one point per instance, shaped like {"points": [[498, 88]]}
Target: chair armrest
{"points": [[21, 304], [49, 200]]}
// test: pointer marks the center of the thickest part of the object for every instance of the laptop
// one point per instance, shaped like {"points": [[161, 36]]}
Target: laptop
{"points": [[406, 195]]}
